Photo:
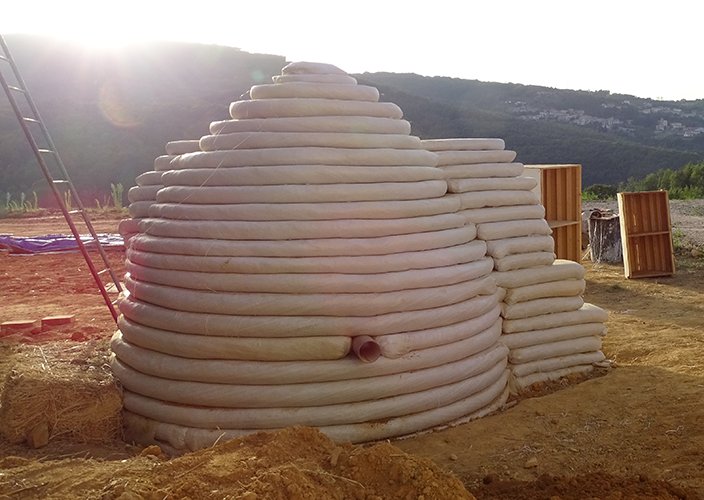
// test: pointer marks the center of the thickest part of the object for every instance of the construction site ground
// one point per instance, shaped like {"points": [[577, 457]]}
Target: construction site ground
{"points": [[633, 431]]}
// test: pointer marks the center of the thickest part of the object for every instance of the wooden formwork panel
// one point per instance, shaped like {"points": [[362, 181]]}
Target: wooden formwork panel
{"points": [[646, 234], [561, 188], [568, 242], [560, 191]]}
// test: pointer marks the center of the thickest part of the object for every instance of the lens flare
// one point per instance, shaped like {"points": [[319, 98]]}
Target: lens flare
{"points": [[116, 107]]}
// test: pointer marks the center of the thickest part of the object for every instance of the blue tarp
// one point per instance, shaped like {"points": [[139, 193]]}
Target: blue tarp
{"points": [[55, 243]]}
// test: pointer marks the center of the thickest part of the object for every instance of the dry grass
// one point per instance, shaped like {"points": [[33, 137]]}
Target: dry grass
{"points": [[65, 388]]}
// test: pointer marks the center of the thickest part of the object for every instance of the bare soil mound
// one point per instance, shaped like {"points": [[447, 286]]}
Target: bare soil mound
{"points": [[295, 463]]}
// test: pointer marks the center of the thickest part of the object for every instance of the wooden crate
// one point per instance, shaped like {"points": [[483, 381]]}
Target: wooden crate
{"points": [[646, 234], [560, 191]]}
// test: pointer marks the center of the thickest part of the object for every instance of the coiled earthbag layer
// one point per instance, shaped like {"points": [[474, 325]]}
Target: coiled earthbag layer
{"points": [[236, 348], [163, 162], [340, 124], [560, 270], [297, 174], [392, 346], [489, 400], [306, 211], [497, 198], [142, 193], [563, 288], [312, 106], [463, 144], [175, 437], [298, 193], [281, 304], [149, 178], [555, 349], [288, 326], [314, 282], [474, 157], [328, 90], [502, 214], [260, 140], [521, 384], [521, 244], [522, 261], [396, 345], [322, 247], [473, 251], [489, 231], [303, 156], [537, 307], [181, 147], [491, 184], [317, 78], [299, 230], [588, 313], [216, 371], [557, 363], [534, 337], [482, 170], [431, 385], [140, 209], [329, 414]]}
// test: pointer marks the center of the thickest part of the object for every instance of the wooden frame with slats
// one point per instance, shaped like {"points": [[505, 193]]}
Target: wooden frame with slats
{"points": [[646, 234], [560, 192]]}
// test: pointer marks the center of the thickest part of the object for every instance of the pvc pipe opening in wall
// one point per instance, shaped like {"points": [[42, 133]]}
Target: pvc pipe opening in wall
{"points": [[366, 348]]}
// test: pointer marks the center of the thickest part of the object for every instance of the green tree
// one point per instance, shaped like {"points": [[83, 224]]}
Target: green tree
{"points": [[600, 192]]}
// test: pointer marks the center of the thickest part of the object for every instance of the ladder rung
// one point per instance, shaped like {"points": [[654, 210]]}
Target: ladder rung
{"points": [[17, 89], [47, 151], [103, 271], [3, 58], [59, 181], [31, 120], [76, 211]]}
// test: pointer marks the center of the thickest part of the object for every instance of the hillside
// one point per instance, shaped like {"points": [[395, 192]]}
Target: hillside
{"points": [[111, 113], [553, 126]]}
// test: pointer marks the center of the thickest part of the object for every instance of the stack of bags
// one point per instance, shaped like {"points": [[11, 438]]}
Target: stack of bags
{"points": [[548, 328], [305, 267], [143, 195], [547, 325]]}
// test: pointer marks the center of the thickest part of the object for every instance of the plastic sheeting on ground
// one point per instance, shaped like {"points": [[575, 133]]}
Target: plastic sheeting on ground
{"points": [[55, 243]]}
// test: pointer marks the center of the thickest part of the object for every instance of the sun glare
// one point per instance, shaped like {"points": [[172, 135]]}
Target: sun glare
{"points": [[604, 45], [97, 40], [90, 24]]}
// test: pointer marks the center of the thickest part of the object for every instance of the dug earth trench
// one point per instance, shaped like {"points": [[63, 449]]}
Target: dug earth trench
{"points": [[633, 431]]}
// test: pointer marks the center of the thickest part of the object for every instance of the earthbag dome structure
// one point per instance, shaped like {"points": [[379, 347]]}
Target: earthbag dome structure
{"points": [[306, 267]]}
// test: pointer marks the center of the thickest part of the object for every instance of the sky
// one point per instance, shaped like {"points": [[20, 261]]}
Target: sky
{"points": [[645, 48]]}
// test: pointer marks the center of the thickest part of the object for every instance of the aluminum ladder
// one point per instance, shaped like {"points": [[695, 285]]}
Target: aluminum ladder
{"points": [[49, 160]]}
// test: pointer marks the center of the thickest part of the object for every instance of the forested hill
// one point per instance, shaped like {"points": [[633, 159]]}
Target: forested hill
{"points": [[111, 113], [614, 137]]}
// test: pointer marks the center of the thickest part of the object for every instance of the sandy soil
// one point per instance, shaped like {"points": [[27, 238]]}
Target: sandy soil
{"points": [[635, 432], [54, 223]]}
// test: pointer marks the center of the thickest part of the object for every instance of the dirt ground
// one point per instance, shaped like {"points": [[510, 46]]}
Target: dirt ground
{"points": [[635, 431]]}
